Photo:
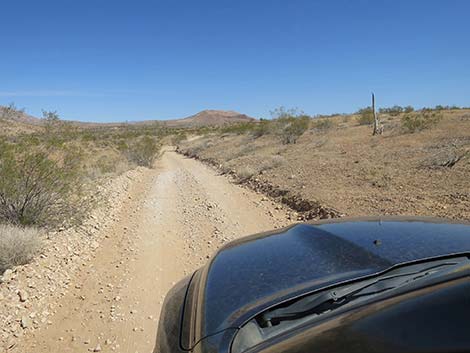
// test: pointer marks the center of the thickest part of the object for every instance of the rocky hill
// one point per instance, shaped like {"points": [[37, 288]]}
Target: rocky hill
{"points": [[24, 122], [211, 118]]}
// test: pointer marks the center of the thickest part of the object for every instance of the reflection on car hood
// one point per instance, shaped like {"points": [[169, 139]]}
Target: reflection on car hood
{"points": [[251, 274]]}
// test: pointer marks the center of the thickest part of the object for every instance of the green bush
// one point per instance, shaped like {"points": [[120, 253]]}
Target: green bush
{"points": [[178, 138], [366, 116], [143, 151], [239, 129], [39, 185], [291, 128], [414, 122], [264, 127], [393, 111], [408, 109]]}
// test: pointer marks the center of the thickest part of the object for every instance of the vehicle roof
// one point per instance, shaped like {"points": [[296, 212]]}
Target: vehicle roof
{"points": [[251, 274]]}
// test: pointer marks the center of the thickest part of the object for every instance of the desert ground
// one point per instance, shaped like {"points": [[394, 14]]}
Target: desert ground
{"points": [[165, 199]]}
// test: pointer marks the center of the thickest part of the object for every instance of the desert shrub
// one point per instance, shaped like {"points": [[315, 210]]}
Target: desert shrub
{"points": [[393, 111], [194, 148], [291, 128], [143, 151], [108, 164], [238, 129], [39, 186], [408, 109], [178, 138], [226, 168], [18, 246], [264, 127], [283, 112], [244, 150], [52, 123], [272, 162], [246, 172], [288, 124], [446, 107], [366, 116], [323, 124], [414, 122]]}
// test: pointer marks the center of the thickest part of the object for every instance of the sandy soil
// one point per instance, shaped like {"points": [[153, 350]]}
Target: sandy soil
{"points": [[175, 218], [346, 169]]}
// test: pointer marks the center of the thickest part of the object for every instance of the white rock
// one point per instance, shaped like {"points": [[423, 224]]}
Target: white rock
{"points": [[7, 275], [25, 322]]}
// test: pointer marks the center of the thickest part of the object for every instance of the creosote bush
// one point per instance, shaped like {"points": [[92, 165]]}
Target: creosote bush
{"points": [[323, 124], [264, 127], [366, 116], [18, 246], [414, 122], [289, 124], [39, 185], [291, 128], [142, 152]]}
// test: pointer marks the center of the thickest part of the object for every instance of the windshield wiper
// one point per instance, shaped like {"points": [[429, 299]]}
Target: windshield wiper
{"points": [[320, 303]]}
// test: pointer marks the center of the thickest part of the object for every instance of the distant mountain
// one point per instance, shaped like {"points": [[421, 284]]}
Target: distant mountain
{"points": [[203, 118], [211, 118]]}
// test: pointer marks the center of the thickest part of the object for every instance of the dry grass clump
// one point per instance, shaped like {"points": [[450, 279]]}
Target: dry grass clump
{"points": [[272, 162], [323, 125], [18, 246], [246, 172]]}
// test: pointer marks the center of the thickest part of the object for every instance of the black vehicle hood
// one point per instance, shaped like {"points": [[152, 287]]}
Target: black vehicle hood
{"points": [[253, 273]]}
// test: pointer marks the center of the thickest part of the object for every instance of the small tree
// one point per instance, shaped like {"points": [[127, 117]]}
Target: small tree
{"points": [[51, 121]]}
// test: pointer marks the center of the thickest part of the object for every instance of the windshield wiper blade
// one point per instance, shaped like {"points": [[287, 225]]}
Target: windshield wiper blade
{"points": [[314, 305], [324, 302]]}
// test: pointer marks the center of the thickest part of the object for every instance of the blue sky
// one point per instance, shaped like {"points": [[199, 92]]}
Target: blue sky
{"points": [[117, 60]]}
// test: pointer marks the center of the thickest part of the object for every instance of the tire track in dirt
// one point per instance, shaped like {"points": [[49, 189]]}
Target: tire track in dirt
{"points": [[174, 220]]}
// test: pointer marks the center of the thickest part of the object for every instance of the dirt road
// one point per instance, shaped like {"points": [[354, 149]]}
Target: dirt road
{"points": [[171, 224]]}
